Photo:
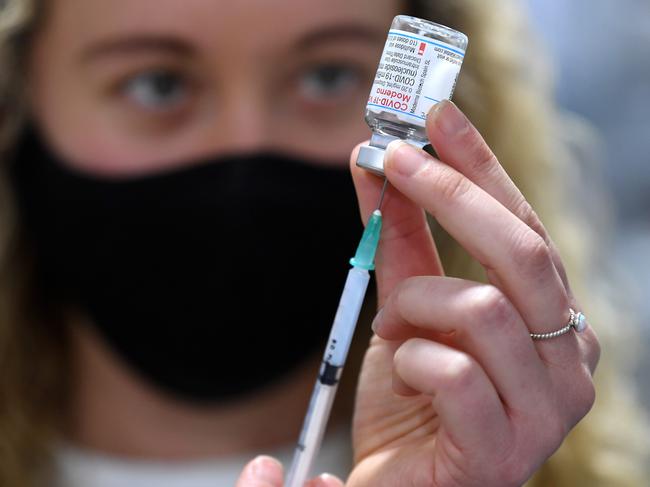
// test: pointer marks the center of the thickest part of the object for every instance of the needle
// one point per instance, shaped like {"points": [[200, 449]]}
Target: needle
{"points": [[383, 193]]}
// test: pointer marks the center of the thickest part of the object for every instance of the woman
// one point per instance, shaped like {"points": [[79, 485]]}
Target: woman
{"points": [[146, 145]]}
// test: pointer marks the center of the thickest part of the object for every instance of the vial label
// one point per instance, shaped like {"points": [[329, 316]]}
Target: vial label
{"points": [[415, 73]]}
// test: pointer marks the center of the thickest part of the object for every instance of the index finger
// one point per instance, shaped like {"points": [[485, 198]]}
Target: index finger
{"points": [[406, 247], [515, 257], [460, 145]]}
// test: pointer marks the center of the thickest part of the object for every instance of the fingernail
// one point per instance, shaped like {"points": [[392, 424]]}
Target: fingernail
{"points": [[404, 158], [435, 109], [267, 469], [449, 119], [375, 322], [325, 480]]}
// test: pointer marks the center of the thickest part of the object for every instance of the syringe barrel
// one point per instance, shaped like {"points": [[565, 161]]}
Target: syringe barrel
{"points": [[312, 433], [346, 317], [322, 398]]}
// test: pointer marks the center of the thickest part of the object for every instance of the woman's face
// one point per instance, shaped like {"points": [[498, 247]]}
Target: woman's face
{"points": [[134, 86]]}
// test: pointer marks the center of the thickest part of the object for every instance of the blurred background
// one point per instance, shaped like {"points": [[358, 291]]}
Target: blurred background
{"points": [[601, 53]]}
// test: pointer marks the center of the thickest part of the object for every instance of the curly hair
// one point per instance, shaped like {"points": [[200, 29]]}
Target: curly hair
{"points": [[505, 89]]}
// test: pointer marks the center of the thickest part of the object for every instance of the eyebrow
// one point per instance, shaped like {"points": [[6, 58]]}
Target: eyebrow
{"points": [[355, 32], [141, 43], [137, 44]]}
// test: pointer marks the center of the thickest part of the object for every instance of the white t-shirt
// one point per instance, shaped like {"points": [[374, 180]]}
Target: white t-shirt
{"points": [[79, 468]]}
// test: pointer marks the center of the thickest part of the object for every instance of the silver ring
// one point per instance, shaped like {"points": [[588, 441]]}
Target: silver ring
{"points": [[578, 321]]}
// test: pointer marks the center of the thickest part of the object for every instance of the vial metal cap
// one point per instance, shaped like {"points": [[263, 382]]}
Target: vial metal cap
{"points": [[372, 159]]}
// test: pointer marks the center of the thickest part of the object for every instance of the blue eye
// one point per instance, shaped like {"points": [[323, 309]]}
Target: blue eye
{"points": [[328, 81], [157, 90]]}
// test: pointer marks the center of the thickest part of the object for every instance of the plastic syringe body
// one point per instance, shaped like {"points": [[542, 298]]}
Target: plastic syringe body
{"points": [[335, 355]]}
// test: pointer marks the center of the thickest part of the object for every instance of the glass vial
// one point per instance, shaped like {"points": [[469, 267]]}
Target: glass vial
{"points": [[418, 68]]}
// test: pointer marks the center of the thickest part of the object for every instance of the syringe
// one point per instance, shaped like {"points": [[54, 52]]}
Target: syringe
{"points": [[336, 351]]}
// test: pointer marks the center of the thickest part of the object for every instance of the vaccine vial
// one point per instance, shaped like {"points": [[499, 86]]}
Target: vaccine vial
{"points": [[418, 68]]}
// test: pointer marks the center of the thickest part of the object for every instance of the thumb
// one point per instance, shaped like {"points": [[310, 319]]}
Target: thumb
{"points": [[406, 247], [263, 471]]}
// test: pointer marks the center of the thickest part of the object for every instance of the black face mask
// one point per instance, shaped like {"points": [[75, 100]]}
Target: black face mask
{"points": [[210, 281]]}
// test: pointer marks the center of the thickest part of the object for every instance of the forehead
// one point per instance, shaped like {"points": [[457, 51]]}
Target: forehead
{"points": [[263, 22]]}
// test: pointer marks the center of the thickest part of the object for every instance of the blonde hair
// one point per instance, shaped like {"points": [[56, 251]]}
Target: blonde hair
{"points": [[506, 96]]}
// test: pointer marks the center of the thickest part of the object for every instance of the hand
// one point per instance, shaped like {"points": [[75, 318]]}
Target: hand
{"points": [[267, 472], [473, 400]]}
